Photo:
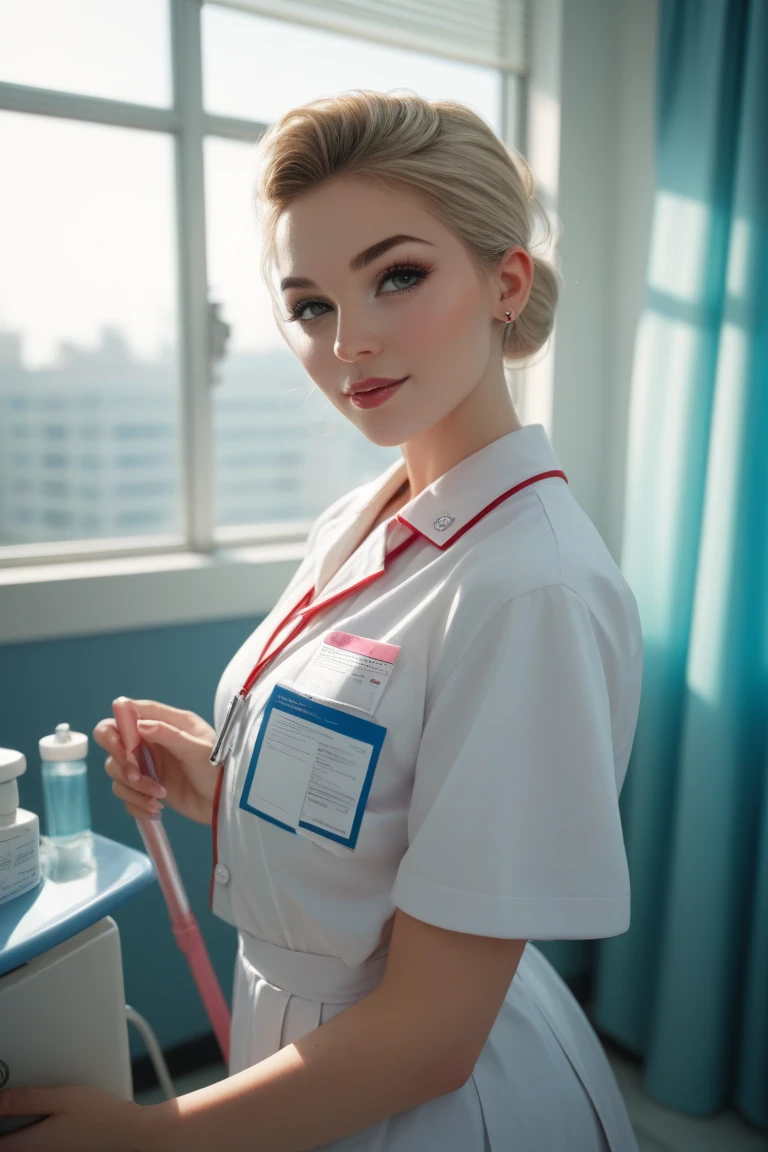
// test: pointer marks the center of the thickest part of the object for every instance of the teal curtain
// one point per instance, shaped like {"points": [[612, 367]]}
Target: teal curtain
{"points": [[686, 988]]}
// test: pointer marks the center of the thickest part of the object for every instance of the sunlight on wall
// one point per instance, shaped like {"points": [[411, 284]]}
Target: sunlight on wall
{"points": [[679, 333], [678, 253], [665, 351], [718, 553], [742, 250], [664, 380], [534, 393]]}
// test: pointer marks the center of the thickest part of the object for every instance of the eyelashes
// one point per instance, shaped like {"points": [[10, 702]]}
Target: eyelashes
{"points": [[394, 271]]}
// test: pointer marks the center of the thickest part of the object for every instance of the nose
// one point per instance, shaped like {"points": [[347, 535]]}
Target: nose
{"points": [[355, 337]]}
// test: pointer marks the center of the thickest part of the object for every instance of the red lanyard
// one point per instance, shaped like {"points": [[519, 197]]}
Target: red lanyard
{"points": [[303, 613], [307, 612]]}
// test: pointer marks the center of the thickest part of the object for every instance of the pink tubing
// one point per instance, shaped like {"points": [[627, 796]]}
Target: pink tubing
{"points": [[185, 927]]}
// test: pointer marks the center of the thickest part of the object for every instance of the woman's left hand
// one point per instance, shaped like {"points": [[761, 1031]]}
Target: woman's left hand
{"points": [[77, 1119]]}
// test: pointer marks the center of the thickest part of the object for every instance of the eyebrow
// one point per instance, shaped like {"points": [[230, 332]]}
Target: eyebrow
{"points": [[357, 262]]}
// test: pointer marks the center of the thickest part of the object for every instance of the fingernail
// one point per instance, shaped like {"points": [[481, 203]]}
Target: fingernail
{"points": [[133, 774], [161, 790]]}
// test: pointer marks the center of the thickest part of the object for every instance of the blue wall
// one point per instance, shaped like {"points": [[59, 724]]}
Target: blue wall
{"points": [[74, 681]]}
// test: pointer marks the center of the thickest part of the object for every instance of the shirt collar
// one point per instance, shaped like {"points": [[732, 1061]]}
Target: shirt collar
{"points": [[441, 513], [447, 508]]}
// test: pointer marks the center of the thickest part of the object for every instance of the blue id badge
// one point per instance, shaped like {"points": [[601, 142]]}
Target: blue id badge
{"points": [[312, 767]]}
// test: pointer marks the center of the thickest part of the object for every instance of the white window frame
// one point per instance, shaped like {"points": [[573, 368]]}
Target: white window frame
{"points": [[199, 545]]}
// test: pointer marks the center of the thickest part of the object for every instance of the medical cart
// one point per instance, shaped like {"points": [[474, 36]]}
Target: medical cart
{"points": [[63, 1016]]}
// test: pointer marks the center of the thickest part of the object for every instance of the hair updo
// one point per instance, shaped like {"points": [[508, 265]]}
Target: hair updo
{"points": [[443, 152]]}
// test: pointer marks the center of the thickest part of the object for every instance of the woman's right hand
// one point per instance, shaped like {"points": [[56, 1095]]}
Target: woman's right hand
{"points": [[181, 743]]}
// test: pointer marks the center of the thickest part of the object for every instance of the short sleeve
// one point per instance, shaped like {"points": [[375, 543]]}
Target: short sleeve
{"points": [[514, 827]]}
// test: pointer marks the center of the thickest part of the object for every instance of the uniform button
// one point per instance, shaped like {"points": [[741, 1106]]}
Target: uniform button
{"points": [[221, 872]]}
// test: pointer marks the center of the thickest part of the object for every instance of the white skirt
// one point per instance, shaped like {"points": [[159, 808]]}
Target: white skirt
{"points": [[542, 1082]]}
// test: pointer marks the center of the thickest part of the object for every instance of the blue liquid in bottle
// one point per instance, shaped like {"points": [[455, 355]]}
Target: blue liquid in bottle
{"points": [[67, 810]]}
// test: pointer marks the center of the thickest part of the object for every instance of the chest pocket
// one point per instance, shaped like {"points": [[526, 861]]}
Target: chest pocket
{"points": [[311, 769]]}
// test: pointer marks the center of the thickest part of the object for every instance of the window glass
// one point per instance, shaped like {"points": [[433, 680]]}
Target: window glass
{"points": [[88, 332], [116, 49], [257, 68]]}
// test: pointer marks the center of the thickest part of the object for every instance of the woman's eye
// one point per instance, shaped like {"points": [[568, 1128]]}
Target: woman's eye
{"points": [[395, 274], [400, 272], [299, 308], [402, 276]]}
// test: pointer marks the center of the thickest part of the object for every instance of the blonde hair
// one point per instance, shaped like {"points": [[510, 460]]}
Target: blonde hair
{"points": [[440, 150]]}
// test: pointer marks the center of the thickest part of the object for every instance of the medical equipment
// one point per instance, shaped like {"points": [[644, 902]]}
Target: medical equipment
{"points": [[63, 1016], [64, 774], [185, 926], [19, 832]]}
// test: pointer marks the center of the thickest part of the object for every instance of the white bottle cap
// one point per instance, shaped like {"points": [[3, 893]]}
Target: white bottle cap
{"points": [[12, 764], [64, 745]]}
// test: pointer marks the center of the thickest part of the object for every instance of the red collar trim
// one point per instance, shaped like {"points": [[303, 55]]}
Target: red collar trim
{"points": [[484, 512]]}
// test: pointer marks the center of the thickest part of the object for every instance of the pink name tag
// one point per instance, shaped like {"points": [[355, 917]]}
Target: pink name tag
{"points": [[373, 648], [349, 669]]}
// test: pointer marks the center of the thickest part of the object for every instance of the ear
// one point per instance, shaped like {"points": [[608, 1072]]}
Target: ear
{"points": [[512, 282]]}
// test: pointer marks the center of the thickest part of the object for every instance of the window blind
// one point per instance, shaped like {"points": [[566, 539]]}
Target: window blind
{"points": [[487, 32]]}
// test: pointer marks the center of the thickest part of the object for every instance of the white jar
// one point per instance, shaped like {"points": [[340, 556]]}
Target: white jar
{"points": [[19, 832]]}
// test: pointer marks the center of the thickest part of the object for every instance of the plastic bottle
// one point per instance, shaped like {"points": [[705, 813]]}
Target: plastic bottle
{"points": [[65, 798], [19, 832]]}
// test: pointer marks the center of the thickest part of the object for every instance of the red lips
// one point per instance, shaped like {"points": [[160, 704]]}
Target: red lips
{"points": [[371, 382]]}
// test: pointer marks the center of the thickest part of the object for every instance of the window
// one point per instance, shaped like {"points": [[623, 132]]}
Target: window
{"points": [[322, 63], [117, 50], [77, 249], [114, 422], [142, 432]]}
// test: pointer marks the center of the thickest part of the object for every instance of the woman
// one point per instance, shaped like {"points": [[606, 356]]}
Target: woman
{"points": [[460, 610]]}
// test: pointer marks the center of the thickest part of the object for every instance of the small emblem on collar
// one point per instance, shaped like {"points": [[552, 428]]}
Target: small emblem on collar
{"points": [[443, 522]]}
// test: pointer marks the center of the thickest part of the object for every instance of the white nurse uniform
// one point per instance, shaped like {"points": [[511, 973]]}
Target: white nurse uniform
{"points": [[494, 805]]}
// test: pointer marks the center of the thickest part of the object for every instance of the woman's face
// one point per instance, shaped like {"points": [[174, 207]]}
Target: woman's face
{"points": [[370, 307]]}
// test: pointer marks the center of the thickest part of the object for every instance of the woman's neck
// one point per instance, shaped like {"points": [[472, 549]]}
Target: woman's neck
{"points": [[393, 505], [484, 416]]}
